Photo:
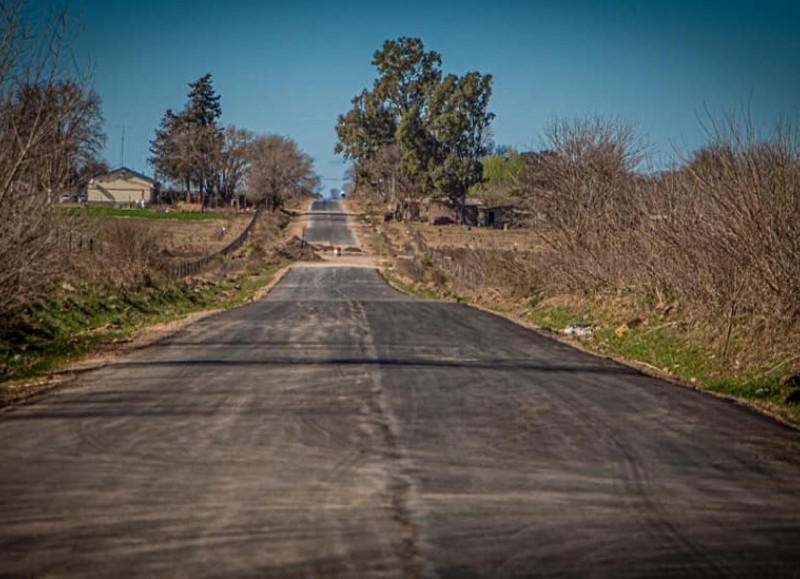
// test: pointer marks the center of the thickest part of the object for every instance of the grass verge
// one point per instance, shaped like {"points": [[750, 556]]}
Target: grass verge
{"points": [[142, 214], [74, 324], [665, 346], [662, 343], [408, 287]]}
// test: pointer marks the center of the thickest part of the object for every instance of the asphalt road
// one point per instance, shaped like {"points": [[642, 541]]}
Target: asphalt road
{"points": [[338, 428], [328, 225]]}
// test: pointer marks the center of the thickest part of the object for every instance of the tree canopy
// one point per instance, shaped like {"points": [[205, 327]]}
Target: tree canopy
{"points": [[417, 127]]}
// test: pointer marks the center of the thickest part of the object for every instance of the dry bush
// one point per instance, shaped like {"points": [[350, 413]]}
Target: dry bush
{"points": [[31, 243], [583, 196], [130, 252], [720, 234], [48, 124], [726, 235]]}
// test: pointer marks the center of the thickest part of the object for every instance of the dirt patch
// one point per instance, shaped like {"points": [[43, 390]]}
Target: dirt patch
{"points": [[296, 249]]}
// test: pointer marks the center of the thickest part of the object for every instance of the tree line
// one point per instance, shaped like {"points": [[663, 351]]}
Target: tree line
{"points": [[51, 139], [195, 153]]}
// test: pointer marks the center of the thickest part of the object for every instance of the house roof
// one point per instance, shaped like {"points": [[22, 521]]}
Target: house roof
{"points": [[124, 173]]}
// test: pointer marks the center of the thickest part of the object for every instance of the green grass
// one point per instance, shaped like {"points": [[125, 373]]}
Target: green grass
{"points": [[554, 319], [141, 213], [74, 324]]}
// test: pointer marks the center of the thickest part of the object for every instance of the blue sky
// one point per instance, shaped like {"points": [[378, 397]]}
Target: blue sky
{"points": [[291, 67]]}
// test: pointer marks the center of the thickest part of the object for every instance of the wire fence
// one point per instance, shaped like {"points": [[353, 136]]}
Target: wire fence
{"points": [[195, 266], [468, 273]]}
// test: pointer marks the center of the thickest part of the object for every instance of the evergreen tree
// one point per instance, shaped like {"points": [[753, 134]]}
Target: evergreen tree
{"points": [[203, 108], [439, 124], [188, 146]]}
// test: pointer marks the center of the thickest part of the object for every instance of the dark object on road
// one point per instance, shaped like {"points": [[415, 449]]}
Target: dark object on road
{"points": [[443, 220]]}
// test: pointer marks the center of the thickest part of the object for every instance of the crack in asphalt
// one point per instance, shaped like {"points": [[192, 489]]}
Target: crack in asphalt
{"points": [[399, 485]]}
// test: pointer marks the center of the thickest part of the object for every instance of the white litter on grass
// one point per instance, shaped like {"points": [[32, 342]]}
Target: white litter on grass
{"points": [[579, 329]]}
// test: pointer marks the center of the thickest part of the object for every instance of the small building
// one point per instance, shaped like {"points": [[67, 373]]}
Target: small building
{"points": [[123, 187], [440, 211], [472, 210], [500, 216]]}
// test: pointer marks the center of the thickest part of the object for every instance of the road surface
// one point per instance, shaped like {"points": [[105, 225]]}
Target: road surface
{"points": [[338, 428], [328, 225]]}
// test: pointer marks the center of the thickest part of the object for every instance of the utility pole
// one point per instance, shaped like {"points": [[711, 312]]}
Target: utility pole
{"points": [[122, 148]]}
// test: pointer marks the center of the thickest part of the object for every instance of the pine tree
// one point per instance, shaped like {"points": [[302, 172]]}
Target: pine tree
{"points": [[188, 146], [203, 108]]}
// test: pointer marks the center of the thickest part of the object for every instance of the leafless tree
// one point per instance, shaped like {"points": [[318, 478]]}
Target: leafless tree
{"points": [[278, 171], [233, 162], [66, 126], [583, 193], [48, 122]]}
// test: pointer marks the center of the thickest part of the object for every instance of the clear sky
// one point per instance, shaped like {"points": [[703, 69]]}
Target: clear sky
{"points": [[291, 67]]}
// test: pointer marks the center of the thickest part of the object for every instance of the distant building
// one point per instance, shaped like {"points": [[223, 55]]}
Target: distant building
{"points": [[122, 186], [476, 213], [440, 211]]}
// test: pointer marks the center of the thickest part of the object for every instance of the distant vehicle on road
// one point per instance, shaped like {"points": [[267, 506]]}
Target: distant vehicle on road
{"points": [[443, 220]]}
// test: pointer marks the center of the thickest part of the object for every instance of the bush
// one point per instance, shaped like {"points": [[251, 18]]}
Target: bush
{"points": [[721, 234]]}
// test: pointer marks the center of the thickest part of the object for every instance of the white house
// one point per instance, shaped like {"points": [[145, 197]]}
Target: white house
{"points": [[122, 186]]}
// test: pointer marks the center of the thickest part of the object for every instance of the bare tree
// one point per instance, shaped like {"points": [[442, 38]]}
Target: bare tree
{"points": [[583, 192], [66, 123], [727, 237], [278, 172], [233, 162], [48, 122]]}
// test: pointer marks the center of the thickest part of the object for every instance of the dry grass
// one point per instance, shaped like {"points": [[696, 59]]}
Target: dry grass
{"points": [[181, 240], [459, 237]]}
